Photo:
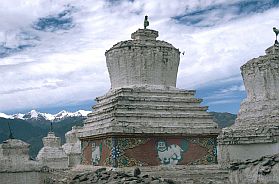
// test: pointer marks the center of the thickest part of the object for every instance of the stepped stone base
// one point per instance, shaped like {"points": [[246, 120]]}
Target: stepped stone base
{"points": [[143, 126], [240, 143], [143, 110]]}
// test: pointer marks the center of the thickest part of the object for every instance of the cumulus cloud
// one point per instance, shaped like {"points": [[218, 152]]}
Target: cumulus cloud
{"points": [[52, 52]]}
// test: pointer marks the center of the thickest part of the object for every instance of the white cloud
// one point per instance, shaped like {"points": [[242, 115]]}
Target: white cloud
{"points": [[219, 52], [230, 92], [233, 88], [227, 101], [68, 66]]}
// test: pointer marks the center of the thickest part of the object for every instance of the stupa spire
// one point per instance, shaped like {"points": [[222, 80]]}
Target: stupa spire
{"points": [[10, 132], [146, 22]]}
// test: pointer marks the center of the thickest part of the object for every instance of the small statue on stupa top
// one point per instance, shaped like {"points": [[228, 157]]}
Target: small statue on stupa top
{"points": [[276, 31], [51, 127], [146, 22], [10, 130]]}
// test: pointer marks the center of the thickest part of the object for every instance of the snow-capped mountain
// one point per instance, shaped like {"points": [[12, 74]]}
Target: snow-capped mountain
{"points": [[63, 114], [35, 115], [3, 115]]}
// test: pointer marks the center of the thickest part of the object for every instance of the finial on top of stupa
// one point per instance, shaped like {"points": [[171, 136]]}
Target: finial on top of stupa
{"points": [[146, 22], [11, 133], [51, 127], [276, 31]]}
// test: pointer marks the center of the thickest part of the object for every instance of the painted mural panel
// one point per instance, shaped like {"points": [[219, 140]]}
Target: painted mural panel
{"points": [[95, 152], [125, 152], [170, 154]]}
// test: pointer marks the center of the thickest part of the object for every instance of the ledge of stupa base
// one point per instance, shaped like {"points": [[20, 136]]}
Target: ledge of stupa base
{"points": [[147, 131], [249, 134], [242, 142], [237, 151], [146, 88]]}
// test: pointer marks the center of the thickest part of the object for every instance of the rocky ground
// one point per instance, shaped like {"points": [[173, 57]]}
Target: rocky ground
{"points": [[266, 162], [264, 170], [110, 177]]}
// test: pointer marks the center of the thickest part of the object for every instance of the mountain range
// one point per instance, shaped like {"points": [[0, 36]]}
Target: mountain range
{"points": [[39, 116], [31, 127]]}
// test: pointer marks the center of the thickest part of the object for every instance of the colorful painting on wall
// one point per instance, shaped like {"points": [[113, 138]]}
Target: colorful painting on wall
{"points": [[125, 152], [172, 154]]}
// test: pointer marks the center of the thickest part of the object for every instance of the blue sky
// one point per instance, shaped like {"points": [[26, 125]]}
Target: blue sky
{"points": [[52, 52]]}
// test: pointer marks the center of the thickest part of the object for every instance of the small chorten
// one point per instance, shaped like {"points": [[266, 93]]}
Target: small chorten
{"points": [[72, 147], [14, 156], [52, 154]]}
